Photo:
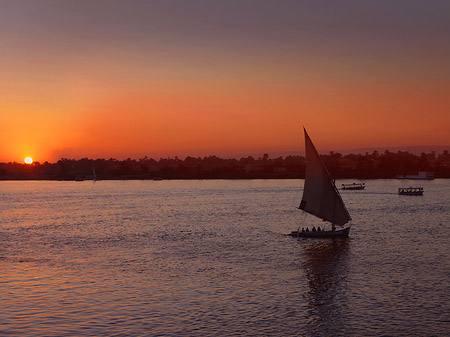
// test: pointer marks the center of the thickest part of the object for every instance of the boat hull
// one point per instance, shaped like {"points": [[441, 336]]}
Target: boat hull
{"points": [[340, 233], [354, 186], [410, 191]]}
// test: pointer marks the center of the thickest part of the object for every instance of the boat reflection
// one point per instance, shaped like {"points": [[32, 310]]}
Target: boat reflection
{"points": [[325, 264]]}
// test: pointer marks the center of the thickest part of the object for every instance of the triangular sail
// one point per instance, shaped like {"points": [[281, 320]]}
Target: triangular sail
{"points": [[320, 196]]}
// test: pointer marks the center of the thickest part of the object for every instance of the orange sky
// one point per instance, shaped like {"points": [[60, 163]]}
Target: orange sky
{"points": [[135, 80]]}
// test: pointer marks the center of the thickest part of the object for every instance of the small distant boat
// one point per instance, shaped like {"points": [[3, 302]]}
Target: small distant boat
{"points": [[321, 197], [354, 186], [422, 175], [157, 179], [410, 191]]}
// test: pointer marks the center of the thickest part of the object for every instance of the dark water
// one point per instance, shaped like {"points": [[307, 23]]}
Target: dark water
{"points": [[210, 258]]}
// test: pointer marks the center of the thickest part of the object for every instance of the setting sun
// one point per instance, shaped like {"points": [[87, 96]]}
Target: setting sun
{"points": [[28, 160]]}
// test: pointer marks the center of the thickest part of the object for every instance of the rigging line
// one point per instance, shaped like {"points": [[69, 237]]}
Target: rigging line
{"points": [[302, 222]]}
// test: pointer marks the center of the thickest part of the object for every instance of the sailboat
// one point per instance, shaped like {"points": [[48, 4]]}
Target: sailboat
{"points": [[321, 198]]}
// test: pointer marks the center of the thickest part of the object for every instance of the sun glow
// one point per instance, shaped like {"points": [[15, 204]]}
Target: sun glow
{"points": [[28, 160]]}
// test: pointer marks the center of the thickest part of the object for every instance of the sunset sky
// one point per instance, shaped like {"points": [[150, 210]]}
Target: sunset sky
{"points": [[131, 78]]}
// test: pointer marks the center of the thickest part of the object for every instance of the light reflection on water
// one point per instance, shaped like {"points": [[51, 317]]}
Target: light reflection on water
{"points": [[325, 265], [211, 258]]}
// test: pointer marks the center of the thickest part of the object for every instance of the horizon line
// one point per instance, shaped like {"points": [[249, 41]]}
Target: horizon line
{"points": [[275, 154]]}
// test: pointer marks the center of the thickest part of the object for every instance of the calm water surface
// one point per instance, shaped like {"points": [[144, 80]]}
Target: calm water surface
{"points": [[210, 258]]}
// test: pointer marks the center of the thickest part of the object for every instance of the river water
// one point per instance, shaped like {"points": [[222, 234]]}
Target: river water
{"points": [[211, 258]]}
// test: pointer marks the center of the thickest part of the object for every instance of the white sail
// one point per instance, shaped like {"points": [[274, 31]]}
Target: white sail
{"points": [[320, 196]]}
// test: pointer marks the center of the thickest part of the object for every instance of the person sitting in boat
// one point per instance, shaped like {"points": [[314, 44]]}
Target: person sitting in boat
{"points": [[314, 229], [307, 229], [318, 228], [303, 230]]}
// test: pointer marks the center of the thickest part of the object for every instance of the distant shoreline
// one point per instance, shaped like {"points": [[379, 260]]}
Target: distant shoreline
{"points": [[231, 179], [375, 165]]}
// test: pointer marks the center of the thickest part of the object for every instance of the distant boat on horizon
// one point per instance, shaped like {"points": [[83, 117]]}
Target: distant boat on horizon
{"points": [[321, 198], [421, 175]]}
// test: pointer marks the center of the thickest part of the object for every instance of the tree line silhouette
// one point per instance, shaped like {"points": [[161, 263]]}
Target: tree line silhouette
{"points": [[357, 166]]}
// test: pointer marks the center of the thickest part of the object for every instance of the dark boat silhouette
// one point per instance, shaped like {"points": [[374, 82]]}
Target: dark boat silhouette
{"points": [[321, 197], [354, 186]]}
